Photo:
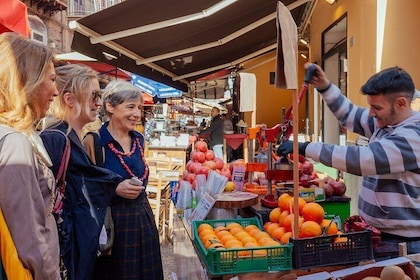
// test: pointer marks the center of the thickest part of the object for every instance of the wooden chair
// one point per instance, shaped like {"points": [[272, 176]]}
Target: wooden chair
{"points": [[158, 191]]}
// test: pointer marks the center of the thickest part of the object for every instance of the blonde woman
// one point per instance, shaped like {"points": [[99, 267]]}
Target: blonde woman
{"points": [[89, 188], [27, 87]]}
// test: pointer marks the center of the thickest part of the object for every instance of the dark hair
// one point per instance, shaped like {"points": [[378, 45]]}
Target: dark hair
{"points": [[389, 81]]}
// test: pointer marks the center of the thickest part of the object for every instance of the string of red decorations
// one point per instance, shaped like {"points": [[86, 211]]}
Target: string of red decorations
{"points": [[120, 155]]}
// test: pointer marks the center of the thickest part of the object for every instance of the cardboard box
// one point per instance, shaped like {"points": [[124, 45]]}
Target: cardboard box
{"points": [[374, 269]]}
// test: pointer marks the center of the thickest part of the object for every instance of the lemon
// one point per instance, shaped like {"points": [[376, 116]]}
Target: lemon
{"points": [[229, 187]]}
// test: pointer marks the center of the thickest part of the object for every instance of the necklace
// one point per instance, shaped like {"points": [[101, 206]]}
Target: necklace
{"points": [[120, 155]]}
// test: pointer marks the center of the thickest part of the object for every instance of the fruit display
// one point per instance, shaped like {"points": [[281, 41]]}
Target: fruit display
{"points": [[312, 222], [390, 272], [234, 235], [356, 223], [202, 160]]}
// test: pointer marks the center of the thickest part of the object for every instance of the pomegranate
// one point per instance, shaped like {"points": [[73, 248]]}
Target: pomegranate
{"points": [[210, 155], [200, 156], [329, 191], [219, 163], [339, 187], [307, 167], [201, 146]]}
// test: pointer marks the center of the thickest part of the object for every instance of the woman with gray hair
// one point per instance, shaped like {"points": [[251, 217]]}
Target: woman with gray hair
{"points": [[136, 250]]}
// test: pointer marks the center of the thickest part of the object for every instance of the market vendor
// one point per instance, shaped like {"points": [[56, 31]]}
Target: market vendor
{"points": [[389, 163], [216, 132]]}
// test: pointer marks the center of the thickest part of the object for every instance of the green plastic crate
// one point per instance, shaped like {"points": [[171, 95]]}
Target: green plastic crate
{"points": [[227, 261]]}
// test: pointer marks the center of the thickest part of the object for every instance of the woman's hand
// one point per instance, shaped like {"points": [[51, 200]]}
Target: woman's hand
{"points": [[127, 190]]}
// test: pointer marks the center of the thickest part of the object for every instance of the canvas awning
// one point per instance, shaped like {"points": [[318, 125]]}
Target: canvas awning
{"points": [[100, 67], [177, 42]]}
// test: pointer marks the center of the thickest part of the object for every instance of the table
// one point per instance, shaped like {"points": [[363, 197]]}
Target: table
{"points": [[234, 141], [173, 157]]}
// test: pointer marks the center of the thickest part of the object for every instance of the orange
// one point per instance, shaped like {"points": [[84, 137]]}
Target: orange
{"points": [[278, 233], [219, 228], [310, 229], [242, 234], [301, 204], [284, 201], [262, 241], [287, 222], [260, 235], [286, 237], [222, 233], [254, 231], [205, 232], [259, 252], [329, 227], [271, 243], [235, 230], [340, 239], [216, 246], [233, 242], [204, 226], [208, 237], [283, 215], [209, 243], [249, 227], [232, 225], [266, 225], [274, 215], [226, 238], [272, 227], [248, 239], [313, 211]]}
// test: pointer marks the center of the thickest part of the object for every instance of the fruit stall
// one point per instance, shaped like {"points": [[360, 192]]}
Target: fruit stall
{"points": [[224, 228]]}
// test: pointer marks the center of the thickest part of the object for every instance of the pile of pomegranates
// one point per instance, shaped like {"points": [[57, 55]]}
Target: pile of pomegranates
{"points": [[202, 161]]}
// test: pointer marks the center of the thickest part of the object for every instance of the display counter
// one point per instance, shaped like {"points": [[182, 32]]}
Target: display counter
{"points": [[190, 265], [175, 157]]}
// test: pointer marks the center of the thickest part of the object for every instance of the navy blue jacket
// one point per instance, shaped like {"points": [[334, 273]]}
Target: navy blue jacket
{"points": [[88, 192]]}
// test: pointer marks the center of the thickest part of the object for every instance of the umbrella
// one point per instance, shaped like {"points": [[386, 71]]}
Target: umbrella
{"points": [[14, 17]]}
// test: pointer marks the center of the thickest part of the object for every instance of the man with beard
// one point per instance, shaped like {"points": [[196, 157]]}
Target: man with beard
{"points": [[389, 163]]}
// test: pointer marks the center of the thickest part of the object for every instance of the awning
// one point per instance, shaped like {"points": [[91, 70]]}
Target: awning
{"points": [[100, 67], [155, 88], [177, 42], [14, 17]]}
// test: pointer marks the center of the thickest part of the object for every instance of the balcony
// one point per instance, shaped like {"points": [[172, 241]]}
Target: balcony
{"points": [[50, 6]]}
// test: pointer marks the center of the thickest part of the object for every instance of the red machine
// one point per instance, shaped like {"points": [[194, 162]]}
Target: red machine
{"points": [[283, 170]]}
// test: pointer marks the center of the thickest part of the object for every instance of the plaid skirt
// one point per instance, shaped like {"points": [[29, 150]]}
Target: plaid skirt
{"points": [[136, 251]]}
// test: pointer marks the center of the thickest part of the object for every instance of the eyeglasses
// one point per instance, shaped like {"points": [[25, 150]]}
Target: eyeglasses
{"points": [[96, 95]]}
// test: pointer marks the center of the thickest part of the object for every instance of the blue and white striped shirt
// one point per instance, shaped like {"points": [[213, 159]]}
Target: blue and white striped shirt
{"points": [[390, 165]]}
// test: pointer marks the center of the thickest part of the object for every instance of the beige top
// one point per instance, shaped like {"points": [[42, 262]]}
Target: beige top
{"points": [[26, 185]]}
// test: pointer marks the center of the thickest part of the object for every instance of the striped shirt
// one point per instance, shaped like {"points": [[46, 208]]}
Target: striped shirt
{"points": [[389, 164]]}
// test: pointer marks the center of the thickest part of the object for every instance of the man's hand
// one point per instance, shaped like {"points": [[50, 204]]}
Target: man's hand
{"points": [[127, 190], [319, 80], [287, 148]]}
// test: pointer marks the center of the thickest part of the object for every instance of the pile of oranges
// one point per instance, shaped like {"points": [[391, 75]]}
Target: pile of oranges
{"points": [[234, 235], [312, 222]]}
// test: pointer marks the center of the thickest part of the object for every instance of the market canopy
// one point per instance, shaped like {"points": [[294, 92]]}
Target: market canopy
{"points": [[101, 67], [155, 88], [177, 42]]}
